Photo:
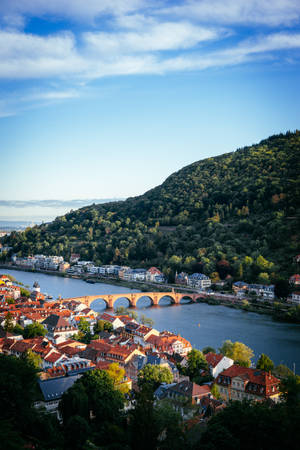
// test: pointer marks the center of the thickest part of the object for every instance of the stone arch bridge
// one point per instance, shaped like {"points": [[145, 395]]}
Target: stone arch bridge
{"points": [[154, 297]]}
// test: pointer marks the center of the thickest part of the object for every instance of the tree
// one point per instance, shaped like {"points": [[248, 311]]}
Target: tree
{"points": [[84, 334], [290, 390], [18, 329], [152, 376], [8, 323], [274, 427], [33, 359], [208, 349], [102, 325], [117, 374], [18, 391], [195, 362], [263, 278], [146, 320], [239, 352], [215, 391], [282, 288], [33, 330], [282, 371], [265, 363], [143, 436], [24, 292], [77, 431], [122, 311], [93, 392]]}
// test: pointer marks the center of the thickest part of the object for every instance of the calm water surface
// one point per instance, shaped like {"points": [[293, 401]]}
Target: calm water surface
{"points": [[201, 324]]}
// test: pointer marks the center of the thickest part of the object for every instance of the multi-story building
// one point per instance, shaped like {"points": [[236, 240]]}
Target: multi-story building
{"points": [[238, 383], [199, 280]]}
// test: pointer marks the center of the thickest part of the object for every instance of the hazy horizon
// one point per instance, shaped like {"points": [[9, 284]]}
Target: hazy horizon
{"points": [[38, 211]]}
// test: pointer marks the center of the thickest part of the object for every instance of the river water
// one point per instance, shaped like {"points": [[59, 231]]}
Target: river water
{"points": [[200, 323]]}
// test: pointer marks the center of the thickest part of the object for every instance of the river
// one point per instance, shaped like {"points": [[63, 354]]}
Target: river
{"points": [[200, 323]]}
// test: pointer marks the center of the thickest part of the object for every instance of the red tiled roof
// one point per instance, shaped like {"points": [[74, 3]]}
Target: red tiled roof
{"points": [[295, 277], [53, 357], [213, 359], [253, 379]]}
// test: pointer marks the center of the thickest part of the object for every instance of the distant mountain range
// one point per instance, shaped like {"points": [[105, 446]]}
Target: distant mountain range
{"points": [[236, 214], [76, 203]]}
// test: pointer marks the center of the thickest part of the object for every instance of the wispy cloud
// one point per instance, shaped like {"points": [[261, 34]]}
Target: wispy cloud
{"points": [[264, 12], [102, 54], [153, 37], [78, 10], [134, 37]]}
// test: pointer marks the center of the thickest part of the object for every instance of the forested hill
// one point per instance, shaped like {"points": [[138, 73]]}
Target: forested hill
{"points": [[236, 213]]}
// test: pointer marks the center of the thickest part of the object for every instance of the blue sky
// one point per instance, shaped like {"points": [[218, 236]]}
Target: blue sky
{"points": [[102, 99]]}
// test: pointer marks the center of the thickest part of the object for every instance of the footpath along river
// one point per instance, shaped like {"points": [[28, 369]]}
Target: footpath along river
{"points": [[200, 323]]}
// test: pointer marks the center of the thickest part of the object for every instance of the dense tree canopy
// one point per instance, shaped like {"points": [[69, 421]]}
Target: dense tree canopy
{"points": [[195, 362], [239, 352], [152, 376], [33, 330], [265, 363], [234, 214]]}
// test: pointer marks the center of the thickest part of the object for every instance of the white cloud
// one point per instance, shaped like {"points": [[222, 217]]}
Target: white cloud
{"points": [[30, 56], [58, 56], [156, 37], [264, 12], [79, 10]]}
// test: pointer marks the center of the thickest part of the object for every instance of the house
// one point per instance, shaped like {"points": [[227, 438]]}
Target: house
{"points": [[264, 291], [189, 390], [238, 383], [64, 266], [58, 329], [296, 298], [139, 333], [199, 280], [114, 320], [53, 359], [239, 286], [135, 364], [138, 274], [52, 391], [217, 363], [295, 280], [75, 257], [181, 278], [98, 350], [155, 275]]}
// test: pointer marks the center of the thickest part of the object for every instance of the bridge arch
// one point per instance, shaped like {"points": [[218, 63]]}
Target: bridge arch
{"points": [[166, 295], [142, 298], [186, 299], [122, 297], [103, 300]]}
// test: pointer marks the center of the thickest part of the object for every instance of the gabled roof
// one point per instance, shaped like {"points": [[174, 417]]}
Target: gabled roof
{"points": [[189, 389], [108, 317], [53, 389], [55, 321], [213, 359], [248, 374], [53, 357]]}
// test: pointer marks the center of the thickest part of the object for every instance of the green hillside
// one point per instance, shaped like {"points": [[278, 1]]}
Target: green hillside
{"points": [[236, 213]]}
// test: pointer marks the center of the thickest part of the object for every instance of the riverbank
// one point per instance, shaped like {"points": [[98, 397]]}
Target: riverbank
{"points": [[142, 286], [278, 311]]}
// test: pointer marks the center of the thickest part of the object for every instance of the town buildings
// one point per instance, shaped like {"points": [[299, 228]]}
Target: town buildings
{"points": [[238, 383]]}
